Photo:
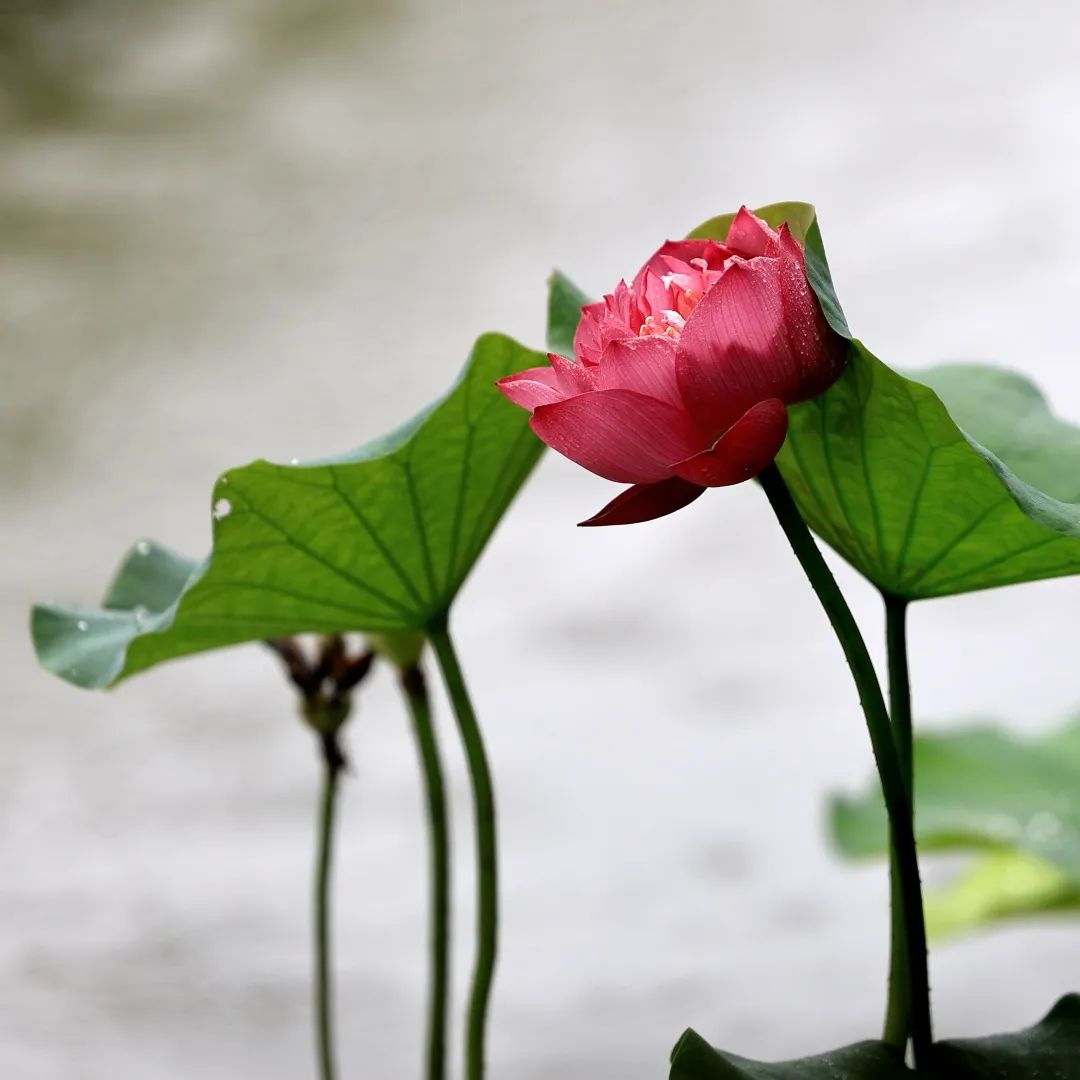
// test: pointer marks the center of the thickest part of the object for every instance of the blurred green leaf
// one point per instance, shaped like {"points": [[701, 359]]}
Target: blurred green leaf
{"points": [[999, 885], [379, 540], [982, 788], [565, 301], [1047, 1051], [1002, 410]]}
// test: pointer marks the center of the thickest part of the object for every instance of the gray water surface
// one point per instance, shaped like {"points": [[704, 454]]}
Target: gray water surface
{"points": [[245, 229]]}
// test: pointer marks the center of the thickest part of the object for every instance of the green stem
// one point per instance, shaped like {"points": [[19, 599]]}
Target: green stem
{"points": [[414, 687], [487, 900], [893, 785], [899, 683], [898, 1011], [332, 765]]}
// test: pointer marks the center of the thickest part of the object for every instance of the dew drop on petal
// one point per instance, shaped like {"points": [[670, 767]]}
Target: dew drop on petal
{"points": [[222, 509]]}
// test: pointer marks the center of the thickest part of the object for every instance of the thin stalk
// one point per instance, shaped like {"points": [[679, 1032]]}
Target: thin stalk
{"points": [[893, 785], [487, 899], [899, 683], [898, 1010], [414, 686], [324, 1007]]}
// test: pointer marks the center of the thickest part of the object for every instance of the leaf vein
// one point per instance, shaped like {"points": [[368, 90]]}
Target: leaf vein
{"points": [[462, 486], [315, 556], [841, 502], [991, 563], [958, 539], [496, 503], [875, 511], [913, 513], [421, 529], [257, 586], [376, 538]]}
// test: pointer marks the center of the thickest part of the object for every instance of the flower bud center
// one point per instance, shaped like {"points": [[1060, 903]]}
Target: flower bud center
{"points": [[684, 286], [669, 324]]}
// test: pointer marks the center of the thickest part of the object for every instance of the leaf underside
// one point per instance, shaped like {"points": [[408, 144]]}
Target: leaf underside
{"points": [[1049, 1049], [377, 540], [883, 473]]}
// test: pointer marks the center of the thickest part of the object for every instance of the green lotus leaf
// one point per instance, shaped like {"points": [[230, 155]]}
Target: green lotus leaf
{"points": [[982, 788], [1000, 886], [1049, 1049], [884, 474], [1014, 802], [565, 301], [694, 1059], [377, 540]]}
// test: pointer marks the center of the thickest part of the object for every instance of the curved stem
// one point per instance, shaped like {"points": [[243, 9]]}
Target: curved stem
{"points": [[414, 686], [332, 764], [487, 900], [893, 785], [898, 1011]]}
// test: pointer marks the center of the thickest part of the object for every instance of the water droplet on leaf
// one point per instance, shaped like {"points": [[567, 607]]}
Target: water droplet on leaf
{"points": [[143, 547], [222, 509], [82, 624]]}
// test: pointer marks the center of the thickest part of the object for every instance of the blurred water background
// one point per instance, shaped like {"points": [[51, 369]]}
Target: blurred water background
{"points": [[249, 228]]}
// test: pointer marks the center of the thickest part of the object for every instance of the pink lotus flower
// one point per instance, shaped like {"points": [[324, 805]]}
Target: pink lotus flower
{"points": [[683, 377]]}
